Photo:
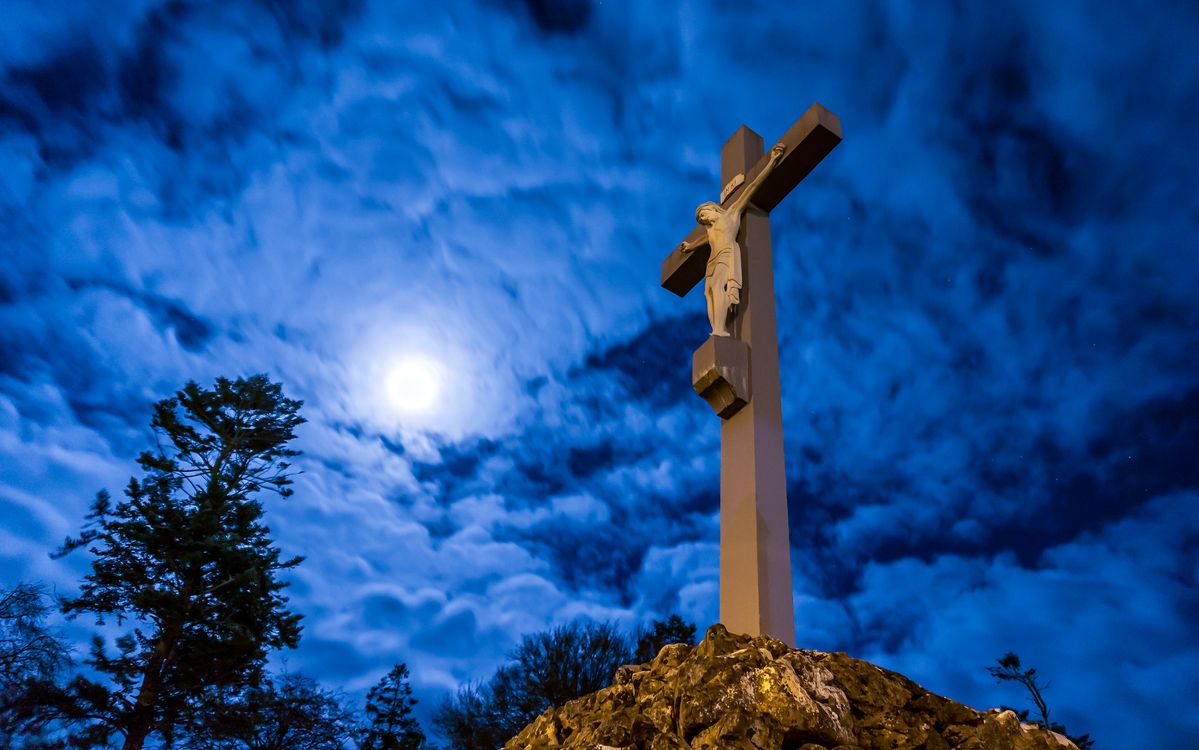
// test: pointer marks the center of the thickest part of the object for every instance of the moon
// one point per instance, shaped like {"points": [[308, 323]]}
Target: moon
{"points": [[414, 385]]}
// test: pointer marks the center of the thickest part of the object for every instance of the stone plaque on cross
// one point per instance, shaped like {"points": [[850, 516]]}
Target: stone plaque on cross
{"points": [[737, 369]]}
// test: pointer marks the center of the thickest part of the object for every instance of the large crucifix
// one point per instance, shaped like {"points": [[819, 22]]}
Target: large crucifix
{"points": [[737, 369]]}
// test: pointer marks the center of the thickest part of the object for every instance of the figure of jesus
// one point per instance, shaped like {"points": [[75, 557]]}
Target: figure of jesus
{"points": [[722, 282]]}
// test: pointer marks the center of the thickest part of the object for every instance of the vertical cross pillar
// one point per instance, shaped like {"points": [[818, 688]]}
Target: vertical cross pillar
{"points": [[755, 546], [738, 374]]}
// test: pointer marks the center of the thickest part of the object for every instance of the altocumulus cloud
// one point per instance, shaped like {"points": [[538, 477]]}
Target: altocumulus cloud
{"points": [[986, 314]]}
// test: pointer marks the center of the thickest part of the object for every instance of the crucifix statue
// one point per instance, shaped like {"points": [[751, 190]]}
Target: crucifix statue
{"points": [[722, 286], [736, 369]]}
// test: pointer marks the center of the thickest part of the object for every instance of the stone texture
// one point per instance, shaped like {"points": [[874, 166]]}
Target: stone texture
{"points": [[734, 692]]}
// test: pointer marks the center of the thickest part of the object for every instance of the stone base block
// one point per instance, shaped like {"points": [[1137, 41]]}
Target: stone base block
{"points": [[720, 374]]}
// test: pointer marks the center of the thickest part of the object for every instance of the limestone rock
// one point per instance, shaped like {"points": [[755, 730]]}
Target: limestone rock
{"points": [[733, 692]]}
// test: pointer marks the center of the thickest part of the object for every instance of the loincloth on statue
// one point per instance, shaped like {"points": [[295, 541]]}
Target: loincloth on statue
{"points": [[722, 267]]}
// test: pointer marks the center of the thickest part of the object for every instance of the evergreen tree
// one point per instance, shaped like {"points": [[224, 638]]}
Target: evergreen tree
{"points": [[186, 563], [672, 630], [1009, 670], [390, 723]]}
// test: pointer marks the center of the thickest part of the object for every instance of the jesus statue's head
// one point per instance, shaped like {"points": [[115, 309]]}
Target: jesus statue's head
{"points": [[707, 212]]}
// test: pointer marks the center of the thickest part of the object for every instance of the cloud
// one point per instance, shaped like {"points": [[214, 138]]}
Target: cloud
{"points": [[1074, 616]]}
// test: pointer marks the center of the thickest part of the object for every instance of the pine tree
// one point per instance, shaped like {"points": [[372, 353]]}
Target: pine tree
{"points": [[185, 562], [1009, 670], [391, 725]]}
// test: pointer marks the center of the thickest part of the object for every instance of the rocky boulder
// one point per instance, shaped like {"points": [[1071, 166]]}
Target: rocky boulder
{"points": [[734, 692]]}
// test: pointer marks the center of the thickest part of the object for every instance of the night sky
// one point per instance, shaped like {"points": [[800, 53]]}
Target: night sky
{"points": [[988, 306]]}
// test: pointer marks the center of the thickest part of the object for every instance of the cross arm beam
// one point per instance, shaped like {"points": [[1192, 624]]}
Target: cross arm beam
{"points": [[680, 270], [808, 141]]}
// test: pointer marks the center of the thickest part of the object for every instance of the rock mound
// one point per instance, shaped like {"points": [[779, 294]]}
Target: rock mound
{"points": [[734, 692]]}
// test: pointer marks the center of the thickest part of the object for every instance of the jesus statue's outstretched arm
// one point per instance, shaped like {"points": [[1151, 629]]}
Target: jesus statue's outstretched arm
{"points": [[741, 201]]}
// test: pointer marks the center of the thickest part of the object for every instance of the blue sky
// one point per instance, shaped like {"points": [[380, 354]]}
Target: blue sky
{"points": [[988, 318]]}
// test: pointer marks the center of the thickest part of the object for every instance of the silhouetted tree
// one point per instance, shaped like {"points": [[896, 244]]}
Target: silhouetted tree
{"points": [[289, 712], [547, 669], [672, 630], [390, 723], [469, 721], [1009, 670], [28, 650], [187, 562], [31, 658]]}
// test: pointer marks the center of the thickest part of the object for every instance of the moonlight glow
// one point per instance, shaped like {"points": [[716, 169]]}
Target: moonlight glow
{"points": [[414, 385]]}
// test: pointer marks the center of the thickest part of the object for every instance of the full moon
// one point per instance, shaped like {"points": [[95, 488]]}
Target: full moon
{"points": [[414, 384]]}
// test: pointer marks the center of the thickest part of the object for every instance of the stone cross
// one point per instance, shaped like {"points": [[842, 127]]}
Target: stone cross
{"points": [[737, 369]]}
